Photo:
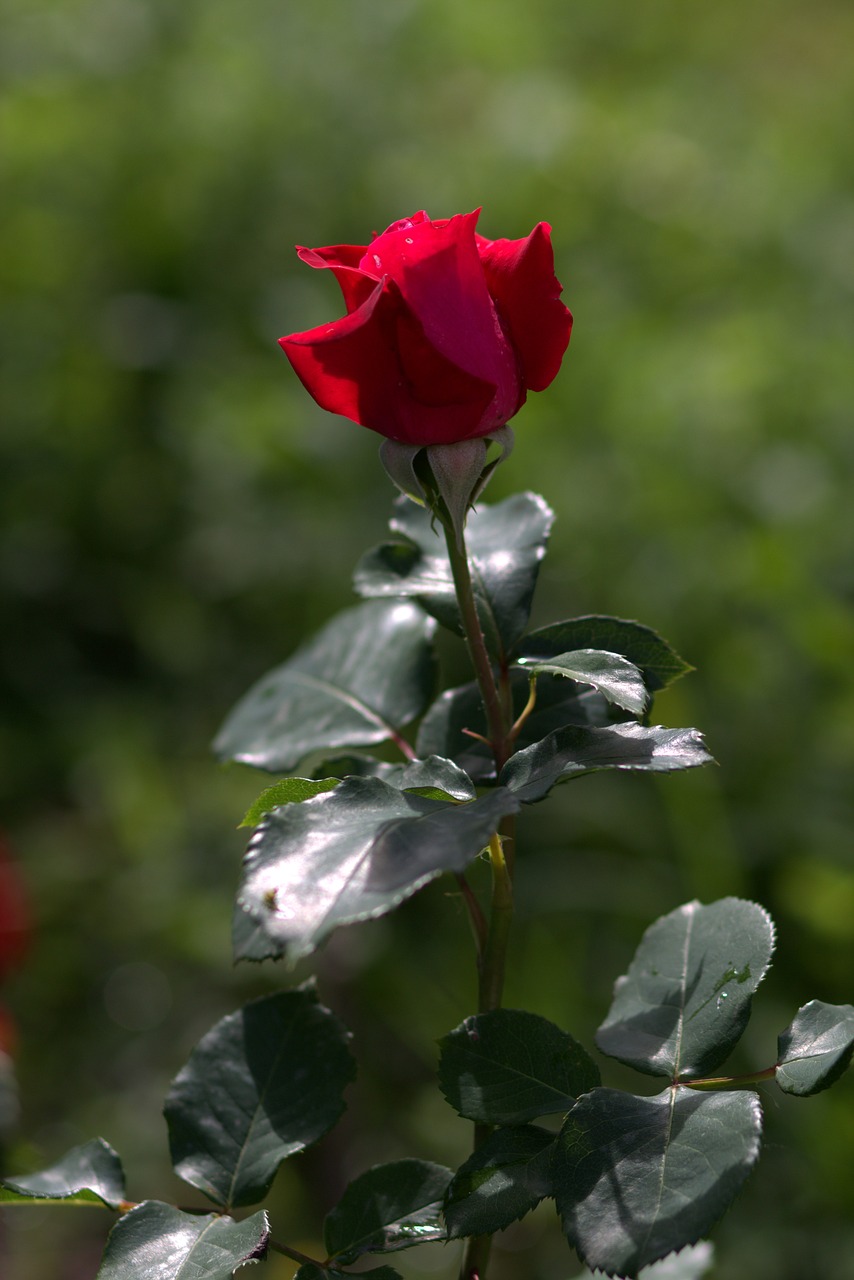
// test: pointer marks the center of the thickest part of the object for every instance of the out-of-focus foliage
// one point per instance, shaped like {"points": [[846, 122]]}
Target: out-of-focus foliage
{"points": [[178, 515]]}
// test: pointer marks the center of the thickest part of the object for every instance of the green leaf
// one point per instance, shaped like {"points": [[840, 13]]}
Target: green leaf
{"points": [[356, 853], [567, 753], [435, 777], [288, 791], [508, 1175], [154, 1241], [659, 664], [506, 543], [615, 677], [637, 1178], [88, 1174], [392, 1206], [367, 673], [688, 1264], [509, 1066], [815, 1050], [685, 1000], [263, 1083], [315, 1271], [559, 702]]}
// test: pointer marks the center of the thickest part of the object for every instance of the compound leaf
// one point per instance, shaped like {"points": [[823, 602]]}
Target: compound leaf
{"points": [[567, 753], [265, 1082], [89, 1174], [355, 853], [685, 1000], [367, 673], [506, 543], [155, 1241], [659, 664], [637, 1178], [507, 1176], [392, 1206], [510, 1066], [814, 1051]]}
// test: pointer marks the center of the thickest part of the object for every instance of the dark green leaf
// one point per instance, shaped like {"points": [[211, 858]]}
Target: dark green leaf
{"points": [[688, 1264], [391, 1207], [507, 1176], [263, 1083], [506, 544], [352, 765], [567, 753], [369, 671], [615, 677], [814, 1051], [288, 791], [559, 702], [637, 1178], [659, 664], [686, 998], [510, 1066], [157, 1242], [88, 1174], [314, 1271], [356, 853]]}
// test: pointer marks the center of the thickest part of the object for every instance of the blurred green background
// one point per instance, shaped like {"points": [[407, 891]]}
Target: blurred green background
{"points": [[177, 515]]}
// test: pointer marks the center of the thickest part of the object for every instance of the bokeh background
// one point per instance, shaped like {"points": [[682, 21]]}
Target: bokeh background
{"points": [[177, 516]]}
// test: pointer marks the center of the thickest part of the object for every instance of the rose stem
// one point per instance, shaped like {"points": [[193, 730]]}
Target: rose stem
{"points": [[492, 957]]}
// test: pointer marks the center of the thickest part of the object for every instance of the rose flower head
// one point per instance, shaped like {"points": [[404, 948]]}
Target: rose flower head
{"points": [[445, 332]]}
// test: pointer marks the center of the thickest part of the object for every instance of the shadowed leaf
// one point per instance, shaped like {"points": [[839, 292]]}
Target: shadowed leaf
{"points": [[263, 1083], [507, 1176], [659, 664], [392, 1206], [816, 1049]]}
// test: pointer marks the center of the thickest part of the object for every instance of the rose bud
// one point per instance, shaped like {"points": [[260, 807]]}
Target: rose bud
{"points": [[445, 332]]}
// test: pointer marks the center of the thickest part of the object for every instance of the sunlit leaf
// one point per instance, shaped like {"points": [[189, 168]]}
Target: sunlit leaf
{"points": [[263, 1083], [816, 1049], [509, 1066], [155, 1241], [355, 853], [659, 664], [615, 677], [688, 1264], [288, 791], [637, 1178], [88, 1174], [506, 543], [392, 1206], [685, 1000], [567, 753], [367, 673]]}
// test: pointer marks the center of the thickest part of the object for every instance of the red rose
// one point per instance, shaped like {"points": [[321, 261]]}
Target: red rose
{"points": [[445, 332]]}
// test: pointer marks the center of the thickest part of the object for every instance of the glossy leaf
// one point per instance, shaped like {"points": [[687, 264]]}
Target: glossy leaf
{"points": [[815, 1050], [507, 1176], [559, 702], [367, 673], [392, 1206], [685, 1000], [287, 791], [615, 677], [434, 777], [659, 664], [688, 1264], [637, 1178], [356, 853], [567, 753], [263, 1083], [509, 1066], [155, 1241], [506, 543], [88, 1174]]}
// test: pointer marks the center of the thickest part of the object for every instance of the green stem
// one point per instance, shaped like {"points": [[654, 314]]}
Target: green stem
{"points": [[711, 1083]]}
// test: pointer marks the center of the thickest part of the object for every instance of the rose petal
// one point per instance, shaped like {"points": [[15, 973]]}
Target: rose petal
{"points": [[376, 367], [343, 261], [520, 276]]}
